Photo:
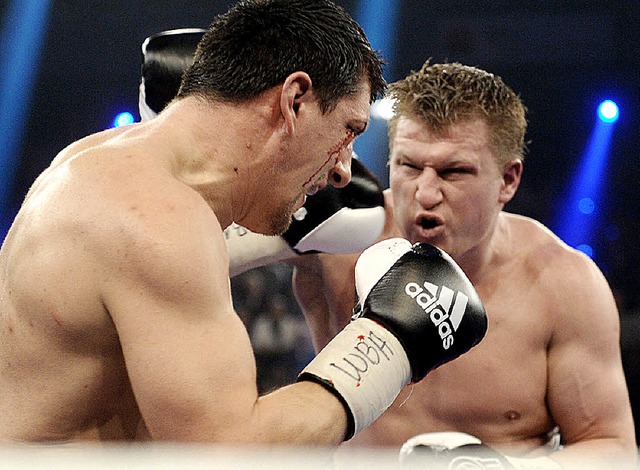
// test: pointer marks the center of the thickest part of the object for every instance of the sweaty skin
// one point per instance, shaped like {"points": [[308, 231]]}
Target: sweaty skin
{"points": [[551, 354], [116, 319]]}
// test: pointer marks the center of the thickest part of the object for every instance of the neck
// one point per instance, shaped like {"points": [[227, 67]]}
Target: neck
{"points": [[213, 149], [476, 261]]}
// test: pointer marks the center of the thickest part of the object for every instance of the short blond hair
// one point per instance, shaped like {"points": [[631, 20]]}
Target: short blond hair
{"points": [[443, 94]]}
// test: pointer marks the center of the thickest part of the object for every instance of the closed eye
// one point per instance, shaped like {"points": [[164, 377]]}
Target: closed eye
{"points": [[357, 130], [408, 164], [458, 171]]}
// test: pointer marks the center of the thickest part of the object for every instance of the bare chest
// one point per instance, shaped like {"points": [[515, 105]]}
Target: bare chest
{"points": [[496, 391]]}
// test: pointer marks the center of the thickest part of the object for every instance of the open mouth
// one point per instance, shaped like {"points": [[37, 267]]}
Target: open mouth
{"points": [[429, 223]]}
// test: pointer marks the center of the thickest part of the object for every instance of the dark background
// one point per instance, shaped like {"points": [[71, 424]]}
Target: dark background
{"points": [[561, 56]]}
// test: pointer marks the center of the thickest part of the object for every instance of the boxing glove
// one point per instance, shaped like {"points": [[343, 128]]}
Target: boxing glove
{"points": [[165, 57], [337, 221], [416, 310], [458, 451]]}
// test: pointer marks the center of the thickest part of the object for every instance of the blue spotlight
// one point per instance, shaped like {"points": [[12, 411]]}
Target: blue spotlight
{"points": [[586, 205], [586, 249], [123, 119], [379, 19], [22, 32], [581, 211], [608, 111]]}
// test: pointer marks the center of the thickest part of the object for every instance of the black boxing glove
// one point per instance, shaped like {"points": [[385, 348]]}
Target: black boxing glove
{"points": [[416, 311], [165, 57], [427, 301], [460, 451]]}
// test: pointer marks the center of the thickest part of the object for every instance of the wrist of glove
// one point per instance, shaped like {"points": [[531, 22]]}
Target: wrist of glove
{"points": [[456, 450], [411, 299], [248, 250]]}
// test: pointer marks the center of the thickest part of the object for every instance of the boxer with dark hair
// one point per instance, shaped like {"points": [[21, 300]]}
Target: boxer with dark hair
{"points": [[116, 318], [345, 220], [551, 359]]}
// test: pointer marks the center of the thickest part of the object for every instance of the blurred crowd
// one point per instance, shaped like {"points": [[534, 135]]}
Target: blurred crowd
{"points": [[281, 341]]}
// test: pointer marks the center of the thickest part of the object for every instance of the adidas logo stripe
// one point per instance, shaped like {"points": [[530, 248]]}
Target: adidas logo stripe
{"points": [[445, 307]]}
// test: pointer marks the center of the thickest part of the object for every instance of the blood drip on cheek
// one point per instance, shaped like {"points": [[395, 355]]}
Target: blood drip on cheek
{"points": [[333, 153]]}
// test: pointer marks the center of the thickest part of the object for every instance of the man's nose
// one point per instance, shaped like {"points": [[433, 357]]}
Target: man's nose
{"points": [[340, 174], [428, 190]]}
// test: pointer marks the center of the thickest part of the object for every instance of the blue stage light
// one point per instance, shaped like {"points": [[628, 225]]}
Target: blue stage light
{"points": [[608, 111], [586, 205], [23, 26], [582, 207], [586, 249], [379, 19], [123, 119]]}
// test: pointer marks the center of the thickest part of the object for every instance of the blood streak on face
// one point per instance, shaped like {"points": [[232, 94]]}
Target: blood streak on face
{"points": [[333, 153]]}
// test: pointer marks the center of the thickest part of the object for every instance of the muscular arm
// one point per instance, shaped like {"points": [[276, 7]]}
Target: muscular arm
{"points": [[187, 354], [587, 393]]}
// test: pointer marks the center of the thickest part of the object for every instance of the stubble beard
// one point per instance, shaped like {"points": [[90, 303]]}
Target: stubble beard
{"points": [[281, 220]]}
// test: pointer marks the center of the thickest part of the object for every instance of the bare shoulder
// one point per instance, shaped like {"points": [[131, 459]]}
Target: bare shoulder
{"points": [[541, 248], [115, 210], [572, 282], [165, 235]]}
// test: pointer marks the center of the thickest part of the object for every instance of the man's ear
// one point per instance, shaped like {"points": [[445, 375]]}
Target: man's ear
{"points": [[511, 176], [296, 90]]}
